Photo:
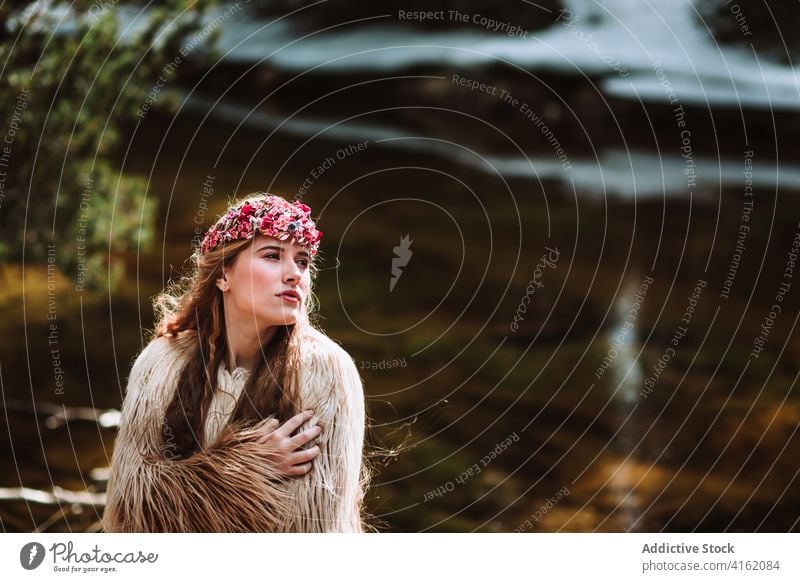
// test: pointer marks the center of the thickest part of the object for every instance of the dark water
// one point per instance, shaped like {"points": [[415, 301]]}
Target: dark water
{"points": [[519, 375], [712, 447]]}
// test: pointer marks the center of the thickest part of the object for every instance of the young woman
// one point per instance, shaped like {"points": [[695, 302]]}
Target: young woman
{"points": [[201, 447]]}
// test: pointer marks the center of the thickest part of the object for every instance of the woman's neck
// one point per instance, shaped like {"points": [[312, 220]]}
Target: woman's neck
{"points": [[244, 341]]}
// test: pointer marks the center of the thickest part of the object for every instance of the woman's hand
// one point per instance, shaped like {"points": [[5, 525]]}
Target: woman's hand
{"points": [[284, 453]]}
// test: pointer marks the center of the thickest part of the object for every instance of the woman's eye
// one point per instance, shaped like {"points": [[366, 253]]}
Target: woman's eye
{"points": [[272, 256], [303, 262]]}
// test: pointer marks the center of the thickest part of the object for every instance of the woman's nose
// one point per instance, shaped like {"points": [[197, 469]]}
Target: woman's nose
{"points": [[292, 272]]}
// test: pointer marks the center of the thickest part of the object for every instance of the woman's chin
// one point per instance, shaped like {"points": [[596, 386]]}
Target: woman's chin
{"points": [[290, 315], [287, 316]]}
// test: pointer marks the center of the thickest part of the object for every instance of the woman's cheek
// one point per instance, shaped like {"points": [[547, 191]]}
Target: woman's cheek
{"points": [[268, 273]]}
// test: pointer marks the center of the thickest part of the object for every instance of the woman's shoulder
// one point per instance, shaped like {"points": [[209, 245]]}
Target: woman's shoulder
{"points": [[169, 342], [162, 350], [317, 345], [325, 365], [156, 368], [325, 360]]}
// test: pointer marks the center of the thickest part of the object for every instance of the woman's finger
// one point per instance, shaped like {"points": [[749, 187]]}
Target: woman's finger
{"points": [[300, 469], [269, 424], [293, 423], [267, 428], [304, 455], [305, 436]]}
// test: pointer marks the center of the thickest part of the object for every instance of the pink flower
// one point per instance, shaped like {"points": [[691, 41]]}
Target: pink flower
{"points": [[270, 215]]}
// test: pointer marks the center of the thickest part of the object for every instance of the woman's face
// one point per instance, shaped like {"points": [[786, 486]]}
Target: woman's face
{"points": [[268, 281]]}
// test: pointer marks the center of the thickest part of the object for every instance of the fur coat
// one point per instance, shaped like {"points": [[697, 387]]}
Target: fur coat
{"points": [[230, 486]]}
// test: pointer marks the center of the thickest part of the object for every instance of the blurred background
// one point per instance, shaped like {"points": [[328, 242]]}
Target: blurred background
{"points": [[560, 242]]}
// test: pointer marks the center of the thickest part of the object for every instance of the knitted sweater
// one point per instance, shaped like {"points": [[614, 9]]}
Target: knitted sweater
{"points": [[230, 485]]}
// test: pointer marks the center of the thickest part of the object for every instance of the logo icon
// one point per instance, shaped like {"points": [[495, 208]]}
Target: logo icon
{"points": [[402, 256], [31, 555]]}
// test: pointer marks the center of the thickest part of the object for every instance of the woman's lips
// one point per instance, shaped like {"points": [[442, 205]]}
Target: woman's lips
{"points": [[290, 297]]}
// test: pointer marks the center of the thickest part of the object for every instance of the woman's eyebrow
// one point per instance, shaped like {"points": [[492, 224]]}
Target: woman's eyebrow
{"points": [[279, 248], [273, 247]]}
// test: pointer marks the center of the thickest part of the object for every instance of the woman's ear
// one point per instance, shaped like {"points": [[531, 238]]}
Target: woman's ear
{"points": [[222, 282]]}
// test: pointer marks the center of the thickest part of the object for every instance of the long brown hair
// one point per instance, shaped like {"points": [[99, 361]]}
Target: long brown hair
{"points": [[194, 307]]}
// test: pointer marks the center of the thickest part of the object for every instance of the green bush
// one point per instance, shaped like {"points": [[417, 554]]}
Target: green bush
{"points": [[69, 100]]}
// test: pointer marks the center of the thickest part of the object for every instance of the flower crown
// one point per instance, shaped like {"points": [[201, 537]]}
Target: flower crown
{"points": [[269, 215]]}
